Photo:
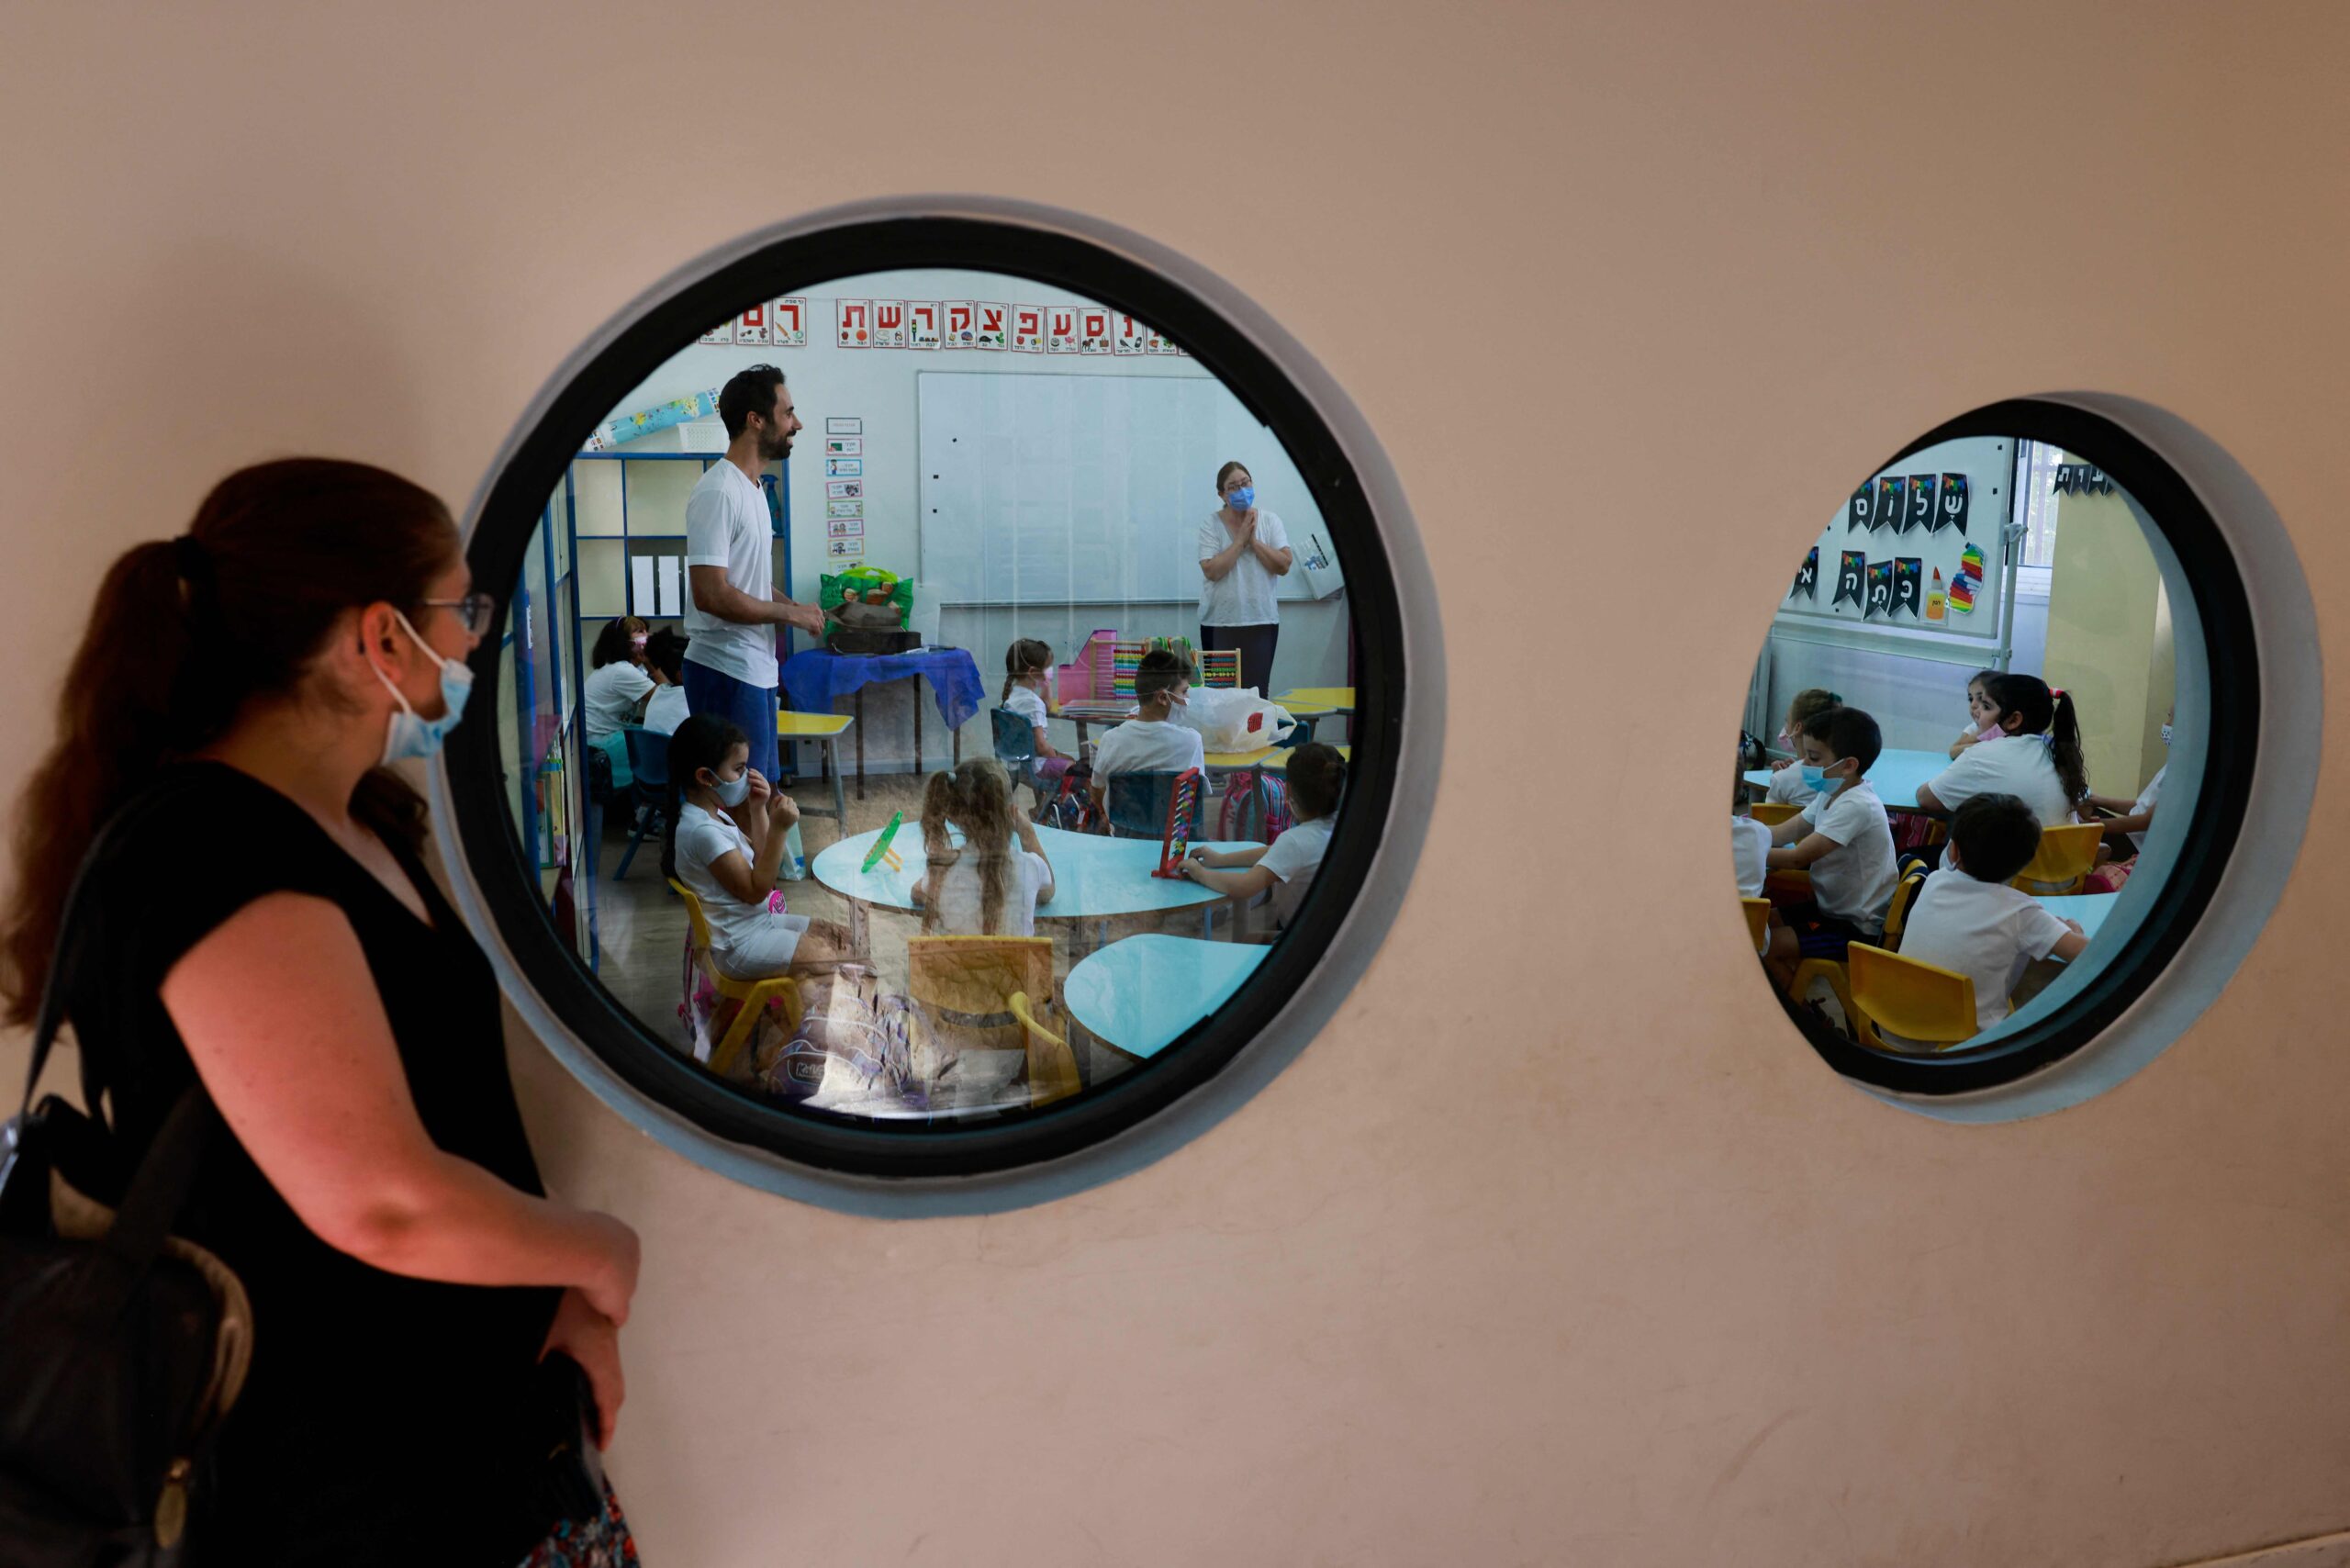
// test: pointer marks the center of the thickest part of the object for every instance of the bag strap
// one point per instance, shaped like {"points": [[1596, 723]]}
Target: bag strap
{"points": [[52, 990]]}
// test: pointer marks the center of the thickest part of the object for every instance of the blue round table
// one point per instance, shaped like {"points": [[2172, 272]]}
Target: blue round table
{"points": [[1140, 994]]}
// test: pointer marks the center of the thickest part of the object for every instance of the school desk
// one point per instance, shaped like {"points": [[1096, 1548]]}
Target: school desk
{"points": [[1094, 877], [2089, 909], [1095, 711], [1895, 776], [1321, 700], [1141, 993], [825, 730], [814, 679]]}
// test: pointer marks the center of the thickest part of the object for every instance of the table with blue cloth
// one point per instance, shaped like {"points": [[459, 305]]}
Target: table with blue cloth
{"points": [[813, 680]]}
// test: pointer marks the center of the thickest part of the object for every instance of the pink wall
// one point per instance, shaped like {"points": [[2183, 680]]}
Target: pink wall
{"points": [[1559, 1247]]}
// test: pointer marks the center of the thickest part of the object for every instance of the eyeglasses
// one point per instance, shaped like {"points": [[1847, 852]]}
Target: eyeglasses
{"points": [[475, 611]]}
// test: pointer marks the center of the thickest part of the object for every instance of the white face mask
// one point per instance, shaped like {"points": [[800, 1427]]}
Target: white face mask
{"points": [[732, 791]]}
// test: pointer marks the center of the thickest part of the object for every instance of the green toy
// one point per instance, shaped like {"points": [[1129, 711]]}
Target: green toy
{"points": [[881, 850], [868, 586]]}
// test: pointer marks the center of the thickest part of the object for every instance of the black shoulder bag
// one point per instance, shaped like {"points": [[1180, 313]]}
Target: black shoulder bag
{"points": [[121, 1346]]}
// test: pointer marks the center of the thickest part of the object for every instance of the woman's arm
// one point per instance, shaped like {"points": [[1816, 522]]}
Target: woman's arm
{"points": [[1218, 566], [281, 1015], [1276, 561]]}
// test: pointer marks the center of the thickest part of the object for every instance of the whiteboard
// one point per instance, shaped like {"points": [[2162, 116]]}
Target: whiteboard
{"points": [[1075, 488], [1860, 528]]}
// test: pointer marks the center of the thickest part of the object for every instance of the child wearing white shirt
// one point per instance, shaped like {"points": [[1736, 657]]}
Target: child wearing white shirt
{"points": [[1968, 919], [982, 886], [1024, 665], [2125, 831], [615, 689], [1150, 742], [1317, 777], [1982, 713], [726, 844], [1786, 779], [664, 657], [2035, 754], [1841, 838]]}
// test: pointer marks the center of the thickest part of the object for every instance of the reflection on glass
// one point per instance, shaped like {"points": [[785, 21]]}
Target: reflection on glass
{"points": [[851, 519], [1956, 744]]}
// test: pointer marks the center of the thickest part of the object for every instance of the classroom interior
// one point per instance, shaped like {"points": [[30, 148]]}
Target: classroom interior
{"points": [[1027, 465], [1965, 560]]}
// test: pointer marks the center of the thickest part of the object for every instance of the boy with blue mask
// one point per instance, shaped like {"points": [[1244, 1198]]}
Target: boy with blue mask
{"points": [[1841, 837]]}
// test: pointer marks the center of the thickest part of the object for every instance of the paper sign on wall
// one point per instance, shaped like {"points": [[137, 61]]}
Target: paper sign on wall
{"points": [[1060, 329], [751, 326], [788, 323], [671, 571], [1951, 513], [1921, 504], [856, 323], [1907, 586], [1880, 589], [1889, 504], [843, 467], [843, 446], [1028, 329], [1157, 343], [1808, 578], [722, 333], [958, 330], [994, 331], [641, 596], [922, 324], [1851, 572], [844, 425], [1093, 332], [889, 323], [845, 489], [1861, 511], [845, 527], [843, 509], [850, 549], [1130, 335]]}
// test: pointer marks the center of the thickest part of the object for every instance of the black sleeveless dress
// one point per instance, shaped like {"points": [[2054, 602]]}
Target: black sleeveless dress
{"points": [[384, 1419]]}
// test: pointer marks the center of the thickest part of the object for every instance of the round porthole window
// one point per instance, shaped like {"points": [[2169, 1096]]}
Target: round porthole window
{"points": [[951, 724], [2026, 755]]}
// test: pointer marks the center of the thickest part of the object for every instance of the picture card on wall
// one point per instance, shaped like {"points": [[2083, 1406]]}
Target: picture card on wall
{"points": [[844, 549], [788, 323], [856, 323], [843, 446], [1907, 590], [922, 324], [959, 331], [845, 527], [670, 574], [722, 333], [1156, 343], [1092, 330], [889, 323], [1893, 496], [751, 326], [1861, 509], [1028, 329], [1921, 504], [1952, 512], [1852, 569], [843, 424], [845, 489], [1060, 329], [993, 330], [1807, 577], [843, 509], [1880, 589], [843, 467], [1130, 336], [641, 595]]}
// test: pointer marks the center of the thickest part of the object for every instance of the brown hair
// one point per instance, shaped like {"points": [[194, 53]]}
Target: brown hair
{"points": [[976, 796], [185, 633], [1317, 776], [1810, 701], [612, 643], [1161, 669], [1025, 656], [1226, 473]]}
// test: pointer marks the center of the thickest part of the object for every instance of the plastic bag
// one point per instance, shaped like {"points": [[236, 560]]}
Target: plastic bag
{"points": [[1236, 721]]}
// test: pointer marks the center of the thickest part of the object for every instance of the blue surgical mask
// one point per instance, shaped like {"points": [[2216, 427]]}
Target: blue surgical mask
{"points": [[411, 736], [1242, 498], [732, 791], [2166, 734], [1817, 778]]}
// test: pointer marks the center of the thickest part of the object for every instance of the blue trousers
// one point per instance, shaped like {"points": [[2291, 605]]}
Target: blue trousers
{"points": [[752, 709]]}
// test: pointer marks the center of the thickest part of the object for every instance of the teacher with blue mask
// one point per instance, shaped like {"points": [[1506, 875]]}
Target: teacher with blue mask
{"points": [[1243, 554]]}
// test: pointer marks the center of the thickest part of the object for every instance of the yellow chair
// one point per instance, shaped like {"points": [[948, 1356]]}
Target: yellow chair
{"points": [[1771, 814], [752, 995], [1924, 1004], [1897, 915], [982, 975], [2065, 859], [1839, 976], [1758, 920]]}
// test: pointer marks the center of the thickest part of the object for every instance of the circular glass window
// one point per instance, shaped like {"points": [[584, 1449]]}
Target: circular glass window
{"points": [[1996, 751], [949, 699]]}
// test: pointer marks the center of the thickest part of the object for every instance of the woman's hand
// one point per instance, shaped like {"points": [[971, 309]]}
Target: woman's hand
{"points": [[623, 1254], [592, 1339]]}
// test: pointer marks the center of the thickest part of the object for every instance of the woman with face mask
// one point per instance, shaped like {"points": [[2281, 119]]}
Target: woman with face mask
{"points": [[261, 924], [1243, 554]]}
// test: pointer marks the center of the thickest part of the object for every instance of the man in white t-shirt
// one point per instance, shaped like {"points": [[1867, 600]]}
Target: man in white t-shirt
{"points": [[1968, 919], [734, 606], [1841, 838], [1151, 742]]}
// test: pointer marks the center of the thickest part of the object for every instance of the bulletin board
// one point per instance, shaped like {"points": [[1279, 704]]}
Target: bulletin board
{"points": [[1916, 560]]}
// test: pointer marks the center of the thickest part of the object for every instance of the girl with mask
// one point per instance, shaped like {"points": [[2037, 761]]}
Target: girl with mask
{"points": [[241, 689], [727, 846], [616, 687], [1244, 554], [1786, 780]]}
